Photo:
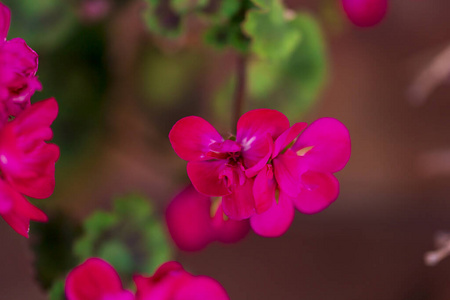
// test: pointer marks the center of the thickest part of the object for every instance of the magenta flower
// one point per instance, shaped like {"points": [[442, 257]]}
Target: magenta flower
{"points": [[95, 279], [27, 164], [301, 175], [18, 67], [365, 13], [194, 221], [172, 282], [219, 167]]}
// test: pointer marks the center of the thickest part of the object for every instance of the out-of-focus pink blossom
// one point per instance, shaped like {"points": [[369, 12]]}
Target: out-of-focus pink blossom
{"points": [[301, 175], [172, 282], [194, 221], [18, 67], [27, 164], [365, 13], [219, 167], [95, 279]]}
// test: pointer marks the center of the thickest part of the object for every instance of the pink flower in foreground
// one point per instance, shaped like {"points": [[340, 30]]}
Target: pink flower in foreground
{"points": [[301, 175], [172, 282], [95, 279], [219, 167], [18, 67], [194, 221], [27, 164], [365, 13]]}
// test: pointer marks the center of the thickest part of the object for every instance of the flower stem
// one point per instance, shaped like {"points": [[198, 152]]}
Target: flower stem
{"points": [[239, 92]]}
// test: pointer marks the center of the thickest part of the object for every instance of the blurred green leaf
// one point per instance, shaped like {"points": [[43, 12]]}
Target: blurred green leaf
{"points": [[186, 6], [292, 84], [42, 24], [130, 237], [273, 35], [57, 291]]}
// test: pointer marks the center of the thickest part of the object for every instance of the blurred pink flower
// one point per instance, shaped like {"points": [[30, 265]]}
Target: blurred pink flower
{"points": [[194, 221], [302, 175], [95, 279], [365, 13], [27, 164], [18, 67], [219, 167], [172, 282]]}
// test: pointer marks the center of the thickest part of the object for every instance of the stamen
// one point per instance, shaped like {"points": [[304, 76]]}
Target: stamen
{"points": [[303, 151]]}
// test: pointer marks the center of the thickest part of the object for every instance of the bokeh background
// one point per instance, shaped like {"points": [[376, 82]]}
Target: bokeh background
{"points": [[121, 87]]}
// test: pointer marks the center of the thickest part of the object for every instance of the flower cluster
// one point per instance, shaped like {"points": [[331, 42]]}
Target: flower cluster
{"points": [[267, 168], [27, 162], [195, 220], [95, 279]]}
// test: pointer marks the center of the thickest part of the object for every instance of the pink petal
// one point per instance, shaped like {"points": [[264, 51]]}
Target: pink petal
{"points": [[94, 279], [201, 288], [192, 136], [21, 211], [258, 156], [287, 137], [365, 13], [40, 114], [240, 204], [20, 56], [188, 219], [207, 177], [330, 142], [227, 230], [264, 189], [275, 221], [252, 131], [5, 19], [321, 189], [288, 168]]}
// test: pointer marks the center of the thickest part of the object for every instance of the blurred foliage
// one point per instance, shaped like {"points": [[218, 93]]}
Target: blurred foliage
{"points": [[296, 81], [274, 35], [284, 79], [44, 24], [130, 237], [52, 245], [57, 291]]}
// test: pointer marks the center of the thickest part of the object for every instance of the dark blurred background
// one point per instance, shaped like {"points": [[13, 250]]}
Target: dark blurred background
{"points": [[120, 88]]}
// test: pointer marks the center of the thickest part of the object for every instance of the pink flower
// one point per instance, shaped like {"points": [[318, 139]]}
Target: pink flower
{"points": [[219, 167], [365, 13], [95, 279], [194, 221], [172, 282], [18, 67], [302, 175], [27, 164]]}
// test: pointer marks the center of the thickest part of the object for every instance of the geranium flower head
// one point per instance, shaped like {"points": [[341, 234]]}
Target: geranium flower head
{"points": [[27, 163], [194, 221], [219, 167], [95, 279], [18, 67]]}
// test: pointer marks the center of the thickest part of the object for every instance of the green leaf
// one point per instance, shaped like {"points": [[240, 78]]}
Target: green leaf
{"points": [[186, 6], [292, 84], [131, 237], [42, 24], [273, 35], [57, 291]]}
